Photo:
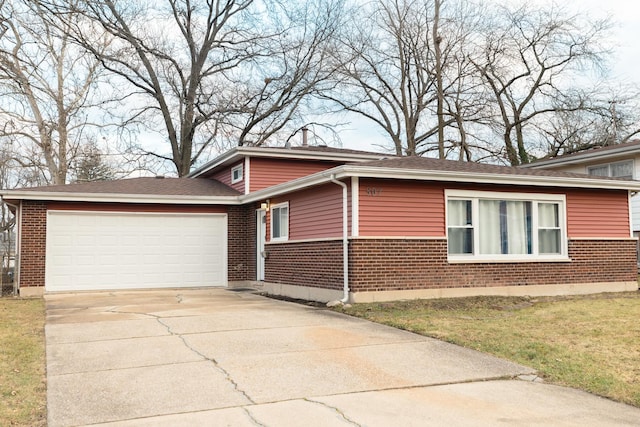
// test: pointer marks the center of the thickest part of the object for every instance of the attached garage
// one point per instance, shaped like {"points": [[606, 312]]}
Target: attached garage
{"points": [[89, 250]]}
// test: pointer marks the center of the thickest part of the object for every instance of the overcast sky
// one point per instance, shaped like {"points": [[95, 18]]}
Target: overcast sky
{"points": [[625, 63]]}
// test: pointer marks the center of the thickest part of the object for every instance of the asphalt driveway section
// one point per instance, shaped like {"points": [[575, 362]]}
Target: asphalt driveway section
{"points": [[217, 357]]}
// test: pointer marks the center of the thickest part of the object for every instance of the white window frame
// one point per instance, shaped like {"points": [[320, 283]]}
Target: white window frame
{"points": [[609, 166], [239, 169], [534, 198], [272, 210]]}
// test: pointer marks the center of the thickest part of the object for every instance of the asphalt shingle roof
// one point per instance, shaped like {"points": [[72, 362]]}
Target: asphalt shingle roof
{"points": [[426, 164], [146, 186]]}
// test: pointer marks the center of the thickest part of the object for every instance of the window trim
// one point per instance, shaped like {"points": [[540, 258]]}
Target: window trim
{"points": [[534, 198], [610, 164], [271, 211], [234, 169]]}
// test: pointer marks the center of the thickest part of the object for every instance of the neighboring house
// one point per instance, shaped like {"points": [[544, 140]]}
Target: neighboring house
{"points": [[617, 161], [295, 220]]}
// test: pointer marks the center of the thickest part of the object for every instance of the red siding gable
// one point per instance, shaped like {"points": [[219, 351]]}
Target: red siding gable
{"points": [[268, 172], [224, 176]]}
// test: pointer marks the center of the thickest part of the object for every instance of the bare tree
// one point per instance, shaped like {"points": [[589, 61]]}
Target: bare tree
{"points": [[401, 68], [610, 117], [47, 90], [7, 218], [530, 56], [437, 40], [186, 65], [296, 67]]}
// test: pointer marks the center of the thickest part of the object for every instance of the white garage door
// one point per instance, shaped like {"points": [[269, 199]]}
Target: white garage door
{"points": [[107, 250]]}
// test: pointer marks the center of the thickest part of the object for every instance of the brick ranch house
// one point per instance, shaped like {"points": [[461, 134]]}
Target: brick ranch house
{"points": [[322, 224]]}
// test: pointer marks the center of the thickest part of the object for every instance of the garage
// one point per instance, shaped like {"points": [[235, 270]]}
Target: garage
{"points": [[115, 250]]}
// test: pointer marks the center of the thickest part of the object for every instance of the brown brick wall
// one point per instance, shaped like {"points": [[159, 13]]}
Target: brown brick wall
{"points": [[242, 243], [316, 264], [33, 243], [389, 264]]}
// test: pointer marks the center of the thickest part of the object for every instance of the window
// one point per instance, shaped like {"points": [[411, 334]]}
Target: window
{"points": [[280, 222], [622, 169], [236, 174], [494, 226]]}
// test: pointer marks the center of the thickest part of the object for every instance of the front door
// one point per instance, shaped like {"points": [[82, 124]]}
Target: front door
{"points": [[260, 239]]}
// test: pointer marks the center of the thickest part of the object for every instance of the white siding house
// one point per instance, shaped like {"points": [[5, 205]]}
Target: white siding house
{"points": [[618, 161]]}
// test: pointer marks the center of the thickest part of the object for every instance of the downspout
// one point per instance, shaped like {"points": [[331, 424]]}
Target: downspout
{"points": [[345, 238]]}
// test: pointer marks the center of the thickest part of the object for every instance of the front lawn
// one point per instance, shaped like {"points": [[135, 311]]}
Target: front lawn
{"points": [[22, 365], [587, 342]]}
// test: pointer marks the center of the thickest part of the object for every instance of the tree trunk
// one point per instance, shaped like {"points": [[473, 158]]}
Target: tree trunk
{"points": [[438, 54]]}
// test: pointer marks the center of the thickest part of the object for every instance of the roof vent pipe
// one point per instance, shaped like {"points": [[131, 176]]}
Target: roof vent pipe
{"points": [[305, 132]]}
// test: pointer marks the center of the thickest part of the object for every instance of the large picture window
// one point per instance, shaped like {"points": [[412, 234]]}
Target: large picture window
{"points": [[495, 226], [280, 222]]}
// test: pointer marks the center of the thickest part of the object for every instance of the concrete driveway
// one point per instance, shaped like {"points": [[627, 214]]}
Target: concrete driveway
{"points": [[218, 357]]}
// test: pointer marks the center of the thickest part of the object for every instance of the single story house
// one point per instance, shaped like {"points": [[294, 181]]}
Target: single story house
{"points": [[322, 224]]}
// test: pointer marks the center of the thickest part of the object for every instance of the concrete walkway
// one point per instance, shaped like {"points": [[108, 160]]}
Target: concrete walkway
{"points": [[225, 358]]}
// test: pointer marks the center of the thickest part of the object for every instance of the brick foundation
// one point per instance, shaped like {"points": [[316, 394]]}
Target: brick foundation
{"points": [[315, 264], [403, 264]]}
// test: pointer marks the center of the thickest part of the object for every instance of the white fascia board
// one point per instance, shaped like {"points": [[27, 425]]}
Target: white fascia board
{"points": [[584, 157], [348, 171], [224, 158], [120, 198], [282, 153]]}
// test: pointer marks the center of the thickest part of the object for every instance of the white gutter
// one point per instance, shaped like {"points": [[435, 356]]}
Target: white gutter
{"points": [[345, 239], [583, 157]]}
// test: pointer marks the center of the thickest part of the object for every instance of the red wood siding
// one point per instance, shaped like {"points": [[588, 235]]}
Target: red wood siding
{"points": [[268, 172], [224, 176], [401, 208], [598, 213], [315, 213], [409, 208]]}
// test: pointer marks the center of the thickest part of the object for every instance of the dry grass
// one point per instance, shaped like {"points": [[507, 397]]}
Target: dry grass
{"points": [[22, 364], [586, 342]]}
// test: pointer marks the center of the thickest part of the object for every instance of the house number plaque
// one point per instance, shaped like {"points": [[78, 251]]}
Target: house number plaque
{"points": [[374, 191]]}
